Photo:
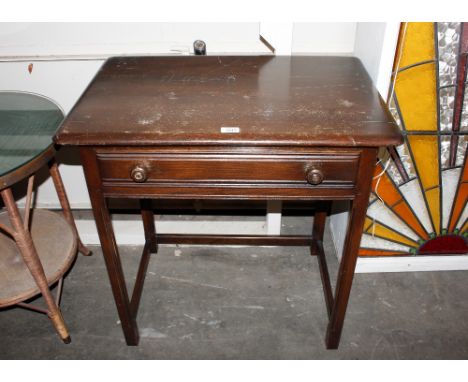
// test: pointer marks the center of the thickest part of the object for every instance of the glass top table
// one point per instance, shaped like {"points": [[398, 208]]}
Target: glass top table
{"points": [[27, 124], [36, 248]]}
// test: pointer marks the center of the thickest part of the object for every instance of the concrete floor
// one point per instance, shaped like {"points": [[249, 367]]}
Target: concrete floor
{"points": [[246, 303]]}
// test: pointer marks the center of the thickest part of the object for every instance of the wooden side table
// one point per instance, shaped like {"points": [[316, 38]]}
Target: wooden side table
{"points": [[37, 246], [243, 127]]}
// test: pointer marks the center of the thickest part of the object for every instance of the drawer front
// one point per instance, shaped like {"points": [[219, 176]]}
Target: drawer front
{"points": [[310, 170]]}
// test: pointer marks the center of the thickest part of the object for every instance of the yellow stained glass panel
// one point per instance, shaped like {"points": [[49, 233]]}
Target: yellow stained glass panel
{"points": [[386, 233], [378, 252], [418, 44], [433, 200], [416, 93], [425, 152], [415, 87], [464, 227]]}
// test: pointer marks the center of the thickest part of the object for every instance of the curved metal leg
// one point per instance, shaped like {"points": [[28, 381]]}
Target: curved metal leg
{"points": [[62, 195], [28, 251]]}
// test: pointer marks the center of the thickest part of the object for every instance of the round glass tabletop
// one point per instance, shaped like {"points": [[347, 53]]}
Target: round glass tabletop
{"points": [[27, 124]]}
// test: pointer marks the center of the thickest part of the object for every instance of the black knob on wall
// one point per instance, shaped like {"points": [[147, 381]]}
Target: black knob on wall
{"points": [[199, 48]]}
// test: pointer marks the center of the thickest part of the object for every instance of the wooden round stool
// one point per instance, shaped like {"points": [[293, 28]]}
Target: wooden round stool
{"points": [[37, 247]]}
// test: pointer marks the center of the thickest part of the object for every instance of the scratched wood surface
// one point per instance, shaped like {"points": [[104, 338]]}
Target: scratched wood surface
{"points": [[270, 100]]}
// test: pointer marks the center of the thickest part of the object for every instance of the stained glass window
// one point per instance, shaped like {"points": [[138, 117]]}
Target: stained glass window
{"points": [[420, 190]]}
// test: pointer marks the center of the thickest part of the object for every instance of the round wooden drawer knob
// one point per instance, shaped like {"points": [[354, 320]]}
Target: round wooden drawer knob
{"points": [[139, 174], [314, 176]]}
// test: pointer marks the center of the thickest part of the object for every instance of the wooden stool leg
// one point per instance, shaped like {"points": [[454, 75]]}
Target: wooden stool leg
{"points": [[147, 215], [62, 195], [28, 252], [320, 218]]}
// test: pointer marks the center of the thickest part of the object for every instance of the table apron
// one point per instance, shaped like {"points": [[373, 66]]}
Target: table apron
{"points": [[246, 192]]}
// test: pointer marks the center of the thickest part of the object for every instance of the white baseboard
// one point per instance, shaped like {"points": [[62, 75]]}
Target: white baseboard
{"points": [[130, 232], [412, 264]]}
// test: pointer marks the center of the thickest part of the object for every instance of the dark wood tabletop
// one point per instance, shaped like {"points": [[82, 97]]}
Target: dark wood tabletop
{"points": [[271, 100]]}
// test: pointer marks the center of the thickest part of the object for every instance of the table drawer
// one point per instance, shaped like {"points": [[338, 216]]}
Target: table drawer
{"points": [[311, 170]]}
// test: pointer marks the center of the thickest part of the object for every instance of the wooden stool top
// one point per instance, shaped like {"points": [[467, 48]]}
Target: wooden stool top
{"points": [[56, 246], [27, 125]]}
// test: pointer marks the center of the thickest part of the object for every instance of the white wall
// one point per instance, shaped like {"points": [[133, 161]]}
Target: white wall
{"points": [[100, 40], [324, 38], [375, 45], [66, 56], [310, 38], [83, 40]]}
